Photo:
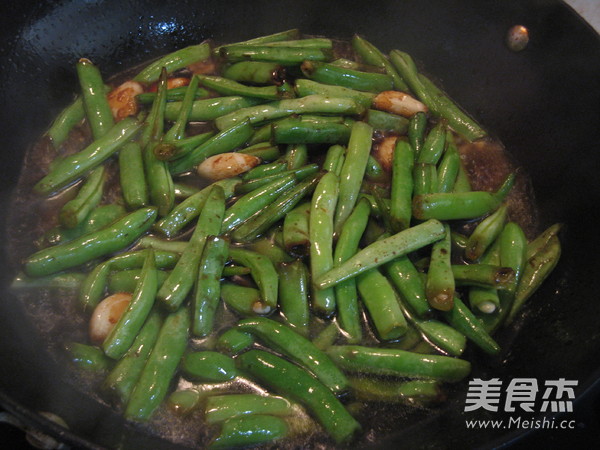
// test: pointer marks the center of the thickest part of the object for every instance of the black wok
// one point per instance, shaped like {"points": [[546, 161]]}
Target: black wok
{"points": [[544, 104]]}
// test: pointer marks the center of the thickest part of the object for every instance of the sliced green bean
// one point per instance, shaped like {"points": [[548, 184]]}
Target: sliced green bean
{"points": [[254, 429], [206, 366], [485, 233], [460, 205], [95, 102], [88, 357], [244, 300], [123, 377], [311, 104], [402, 185], [484, 275], [162, 244], [291, 381], [263, 273], [184, 401], [293, 295], [208, 286], [173, 95], [413, 393], [63, 124], [75, 211], [132, 176], [190, 208], [296, 347], [334, 158], [296, 227], [327, 336], [153, 383], [384, 121], [440, 284], [212, 108], [434, 145], [234, 341], [127, 280], [425, 179], [400, 363], [177, 131], [353, 79], [225, 86], [542, 240], [353, 171], [174, 61], [416, 131], [72, 167], [301, 173], [224, 407], [286, 56], [181, 280], [310, 87], [105, 241], [383, 251], [65, 280], [442, 336], [321, 218], [263, 150], [409, 284], [286, 35], [297, 130], [448, 167], [372, 55], [462, 183], [382, 304], [269, 247], [254, 72]]}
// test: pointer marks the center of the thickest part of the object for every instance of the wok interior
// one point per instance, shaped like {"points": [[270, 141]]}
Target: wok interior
{"points": [[542, 103]]}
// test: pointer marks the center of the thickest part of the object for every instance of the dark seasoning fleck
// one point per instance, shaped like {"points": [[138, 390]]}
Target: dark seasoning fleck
{"points": [[58, 318]]}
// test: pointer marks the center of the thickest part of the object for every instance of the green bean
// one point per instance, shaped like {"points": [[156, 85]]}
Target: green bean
{"points": [[402, 185], [536, 270], [349, 78], [174, 61], [424, 179], [416, 131], [296, 156], [267, 246], [299, 349], [253, 429], [64, 280], [334, 158], [384, 121], [382, 305], [285, 56], [383, 251], [408, 282], [93, 287], [71, 167], [208, 285], [177, 131], [173, 95], [437, 102], [353, 171], [88, 357], [434, 145], [245, 301], [183, 191], [303, 43], [180, 282], [164, 259], [310, 87], [261, 222], [462, 183], [183, 402], [374, 172], [127, 280], [440, 284], [293, 295], [296, 231], [542, 240], [160, 183], [291, 381], [253, 202], [372, 55], [399, 363], [224, 407], [346, 292], [286, 35], [123, 377], [63, 124], [107, 240], [122, 335], [211, 108], [448, 167], [265, 170], [154, 381], [98, 218], [232, 270], [321, 217], [463, 320], [460, 205], [297, 130], [485, 233], [225, 86], [347, 63], [301, 173], [75, 211], [311, 104], [132, 177], [190, 208], [485, 299], [413, 393], [484, 275], [327, 336], [211, 367], [442, 336], [222, 142], [162, 244], [95, 102], [263, 150], [182, 147], [234, 341], [254, 72], [263, 273]]}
